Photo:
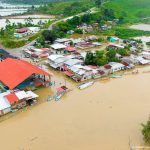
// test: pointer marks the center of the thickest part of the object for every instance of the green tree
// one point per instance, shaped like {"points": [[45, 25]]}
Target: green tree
{"points": [[108, 14], [28, 21], [101, 58], [89, 60], [123, 51], [49, 35], [2, 32], [7, 22], [64, 26], [99, 3], [75, 21], [86, 18], [111, 54]]}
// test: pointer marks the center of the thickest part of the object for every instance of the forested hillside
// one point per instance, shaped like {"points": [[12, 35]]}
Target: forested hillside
{"points": [[132, 10], [65, 8]]}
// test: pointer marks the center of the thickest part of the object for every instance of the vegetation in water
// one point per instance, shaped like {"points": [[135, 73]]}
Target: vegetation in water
{"points": [[125, 33], [146, 131], [148, 43]]}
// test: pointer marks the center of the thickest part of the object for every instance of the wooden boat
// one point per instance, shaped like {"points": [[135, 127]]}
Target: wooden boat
{"points": [[61, 91], [116, 76], [58, 97], [85, 85]]}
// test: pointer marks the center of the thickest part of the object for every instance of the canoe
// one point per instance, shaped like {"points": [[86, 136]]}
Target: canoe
{"points": [[59, 96], [116, 76], [85, 85]]}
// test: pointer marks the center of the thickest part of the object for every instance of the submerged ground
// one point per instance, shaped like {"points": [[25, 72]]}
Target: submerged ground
{"points": [[104, 116]]}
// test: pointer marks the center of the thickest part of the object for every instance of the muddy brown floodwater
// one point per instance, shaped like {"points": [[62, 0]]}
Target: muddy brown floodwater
{"points": [[102, 117]]}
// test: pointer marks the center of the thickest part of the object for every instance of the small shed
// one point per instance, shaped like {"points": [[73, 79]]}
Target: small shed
{"points": [[5, 106], [58, 48]]}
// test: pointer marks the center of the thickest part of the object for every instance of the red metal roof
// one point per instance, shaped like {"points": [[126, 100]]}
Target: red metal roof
{"points": [[45, 49], [107, 66], [13, 72], [60, 90], [22, 30], [12, 98], [93, 67], [70, 49], [101, 72], [68, 73], [125, 63]]}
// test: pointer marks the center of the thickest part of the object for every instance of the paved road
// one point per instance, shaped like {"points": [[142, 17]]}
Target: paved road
{"points": [[18, 51], [92, 10]]}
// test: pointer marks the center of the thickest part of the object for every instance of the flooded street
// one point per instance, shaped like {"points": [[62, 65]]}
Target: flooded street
{"points": [[104, 116]]}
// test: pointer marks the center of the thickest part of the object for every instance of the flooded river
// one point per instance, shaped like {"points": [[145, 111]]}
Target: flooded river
{"points": [[9, 9], [102, 117]]}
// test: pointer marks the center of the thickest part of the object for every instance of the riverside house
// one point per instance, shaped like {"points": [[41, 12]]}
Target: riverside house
{"points": [[58, 48], [5, 106], [23, 32], [56, 61], [80, 73], [10, 100], [20, 99], [116, 67], [37, 53], [63, 41], [146, 55], [20, 74]]}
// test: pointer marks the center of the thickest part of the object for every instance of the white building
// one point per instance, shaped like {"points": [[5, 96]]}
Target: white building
{"points": [[5, 106], [34, 29], [116, 67], [56, 61], [58, 48], [72, 62], [64, 41], [142, 61], [146, 54], [80, 73]]}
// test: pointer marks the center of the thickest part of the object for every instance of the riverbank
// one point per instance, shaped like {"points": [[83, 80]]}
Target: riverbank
{"points": [[32, 16], [110, 111]]}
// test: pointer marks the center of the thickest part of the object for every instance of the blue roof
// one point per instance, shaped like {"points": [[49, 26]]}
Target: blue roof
{"points": [[2, 51]]}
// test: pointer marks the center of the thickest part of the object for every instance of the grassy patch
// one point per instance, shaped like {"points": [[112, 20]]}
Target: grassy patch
{"points": [[132, 10], [13, 43], [129, 33]]}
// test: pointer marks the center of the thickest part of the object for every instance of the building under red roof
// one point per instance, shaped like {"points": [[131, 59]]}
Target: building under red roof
{"points": [[107, 66], [45, 49], [22, 30], [13, 72], [70, 49], [12, 98], [69, 74]]}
